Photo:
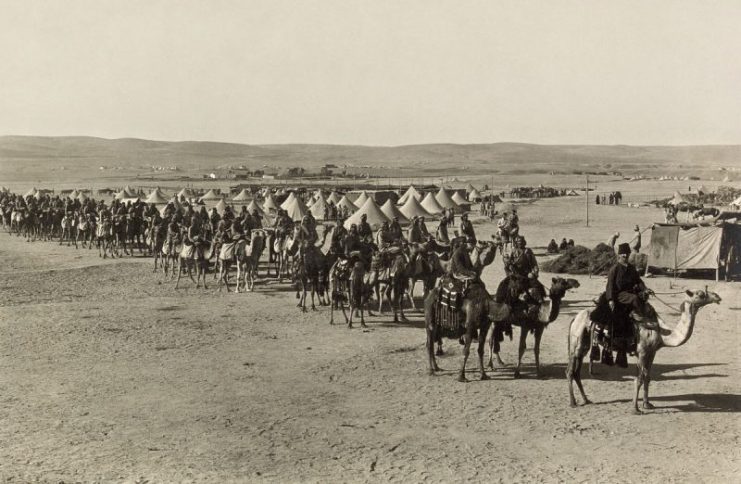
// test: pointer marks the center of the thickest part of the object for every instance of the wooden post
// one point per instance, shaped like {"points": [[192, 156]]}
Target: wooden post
{"points": [[587, 198]]}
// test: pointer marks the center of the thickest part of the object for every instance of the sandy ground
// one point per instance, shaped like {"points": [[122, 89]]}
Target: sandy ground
{"points": [[108, 374]]}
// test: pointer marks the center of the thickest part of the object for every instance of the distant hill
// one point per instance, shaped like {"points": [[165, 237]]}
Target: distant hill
{"points": [[88, 152]]}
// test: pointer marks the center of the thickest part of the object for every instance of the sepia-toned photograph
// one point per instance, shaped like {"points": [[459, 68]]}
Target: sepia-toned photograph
{"points": [[361, 241]]}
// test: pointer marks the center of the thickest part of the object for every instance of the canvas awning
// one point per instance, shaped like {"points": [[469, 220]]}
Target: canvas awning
{"points": [[691, 246]]}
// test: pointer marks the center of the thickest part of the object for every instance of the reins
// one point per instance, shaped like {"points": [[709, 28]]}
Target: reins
{"points": [[666, 304]]}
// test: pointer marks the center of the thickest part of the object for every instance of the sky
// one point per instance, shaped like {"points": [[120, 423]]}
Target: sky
{"points": [[374, 72]]}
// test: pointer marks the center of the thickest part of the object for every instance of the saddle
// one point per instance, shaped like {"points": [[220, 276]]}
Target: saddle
{"points": [[605, 321], [449, 303]]}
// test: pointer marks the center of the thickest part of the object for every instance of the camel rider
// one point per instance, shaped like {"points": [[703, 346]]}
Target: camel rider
{"points": [[383, 237], [625, 293], [283, 225], [441, 235], [466, 229], [246, 221], [461, 267], [172, 238], [338, 238], [521, 283], [256, 219], [307, 234], [365, 232], [215, 218], [423, 228], [415, 233], [395, 230], [354, 246], [196, 237], [228, 215]]}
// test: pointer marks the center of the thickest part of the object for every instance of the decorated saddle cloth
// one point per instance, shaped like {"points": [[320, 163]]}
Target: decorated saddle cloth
{"points": [[228, 250], [449, 303]]}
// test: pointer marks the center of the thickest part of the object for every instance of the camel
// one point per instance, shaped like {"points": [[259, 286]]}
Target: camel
{"points": [[309, 269], [475, 307], [104, 238], [248, 259], [501, 314], [394, 280], [649, 339], [197, 254], [347, 283]]}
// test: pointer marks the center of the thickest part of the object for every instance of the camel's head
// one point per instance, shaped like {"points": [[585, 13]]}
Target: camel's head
{"points": [[702, 298], [559, 286]]}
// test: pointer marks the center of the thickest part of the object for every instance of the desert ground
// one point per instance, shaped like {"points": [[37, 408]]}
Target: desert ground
{"points": [[109, 374]]}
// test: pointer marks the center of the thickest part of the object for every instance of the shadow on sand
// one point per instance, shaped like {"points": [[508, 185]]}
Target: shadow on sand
{"points": [[693, 402]]}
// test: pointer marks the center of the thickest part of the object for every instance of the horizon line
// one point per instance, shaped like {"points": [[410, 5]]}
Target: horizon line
{"points": [[133, 138]]}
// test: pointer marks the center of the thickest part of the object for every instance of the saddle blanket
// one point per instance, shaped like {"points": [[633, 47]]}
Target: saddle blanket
{"points": [[227, 251], [188, 251]]}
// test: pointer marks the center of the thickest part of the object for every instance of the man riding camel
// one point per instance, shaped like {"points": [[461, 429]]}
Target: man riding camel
{"points": [[466, 229], [395, 230], [283, 225], [365, 232], [521, 283], [625, 293], [461, 267]]}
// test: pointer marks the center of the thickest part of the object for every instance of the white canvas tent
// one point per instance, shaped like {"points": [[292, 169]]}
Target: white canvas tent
{"points": [[319, 207], [459, 200], [736, 203], [411, 192], [243, 196], [295, 209], [288, 201], [375, 217], [221, 207], [156, 197], [254, 206], [444, 200], [360, 201], [474, 196], [346, 203], [269, 204], [334, 198], [391, 210], [412, 208], [431, 204], [211, 195], [31, 192]]}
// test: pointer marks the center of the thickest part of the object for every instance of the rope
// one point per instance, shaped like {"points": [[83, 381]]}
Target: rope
{"points": [[667, 305], [669, 293]]}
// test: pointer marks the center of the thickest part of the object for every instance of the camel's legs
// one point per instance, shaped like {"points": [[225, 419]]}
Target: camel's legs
{"points": [[521, 350], [180, 271], [481, 350], [411, 294], [431, 362], [641, 366], [649, 363], [466, 350], [536, 349]]}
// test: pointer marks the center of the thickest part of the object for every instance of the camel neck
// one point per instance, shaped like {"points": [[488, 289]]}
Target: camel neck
{"points": [[683, 331]]}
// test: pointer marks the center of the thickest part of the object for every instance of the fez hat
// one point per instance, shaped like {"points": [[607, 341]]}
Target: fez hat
{"points": [[623, 249]]}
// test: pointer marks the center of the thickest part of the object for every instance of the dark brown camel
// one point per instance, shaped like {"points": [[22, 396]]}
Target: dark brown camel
{"points": [[474, 309], [501, 315]]}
